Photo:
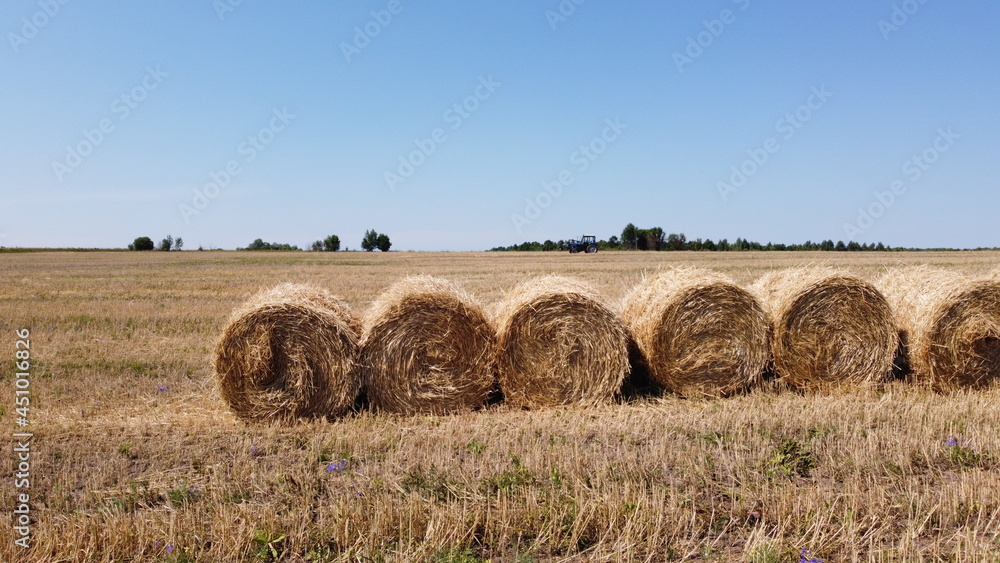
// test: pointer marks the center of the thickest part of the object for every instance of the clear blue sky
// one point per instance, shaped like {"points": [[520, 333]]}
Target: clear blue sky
{"points": [[198, 81]]}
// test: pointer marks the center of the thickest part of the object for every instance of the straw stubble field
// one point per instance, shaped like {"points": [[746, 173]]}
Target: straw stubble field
{"points": [[138, 459]]}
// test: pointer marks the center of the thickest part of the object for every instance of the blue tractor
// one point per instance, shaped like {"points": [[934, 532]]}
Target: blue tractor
{"points": [[587, 243]]}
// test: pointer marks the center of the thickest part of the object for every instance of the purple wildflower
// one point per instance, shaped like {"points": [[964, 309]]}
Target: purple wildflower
{"points": [[162, 388], [804, 557], [170, 549], [337, 466], [953, 442]]}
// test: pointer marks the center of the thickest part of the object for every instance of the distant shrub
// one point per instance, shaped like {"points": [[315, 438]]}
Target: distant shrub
{"points": [[261, 245], [142, 243]]}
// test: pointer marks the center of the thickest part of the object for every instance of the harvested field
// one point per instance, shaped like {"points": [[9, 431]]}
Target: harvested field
{"points": [[135, 450]]}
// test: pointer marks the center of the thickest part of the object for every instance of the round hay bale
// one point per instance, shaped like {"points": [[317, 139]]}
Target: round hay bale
{"points": [[830, 328], [289, 352], [559, 344], [950, 324], [698, 332], [428, 347]]}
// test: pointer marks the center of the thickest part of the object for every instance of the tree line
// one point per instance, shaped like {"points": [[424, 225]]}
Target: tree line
{"points": [[372, 241], [167, 244], [655, 238]]}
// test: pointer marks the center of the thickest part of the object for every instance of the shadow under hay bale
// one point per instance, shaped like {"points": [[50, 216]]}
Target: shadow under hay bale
{"points": [[830, 328], [559, 344], [289, 352], [639, 383], [951, 323], [428, 347], [698, 332]]}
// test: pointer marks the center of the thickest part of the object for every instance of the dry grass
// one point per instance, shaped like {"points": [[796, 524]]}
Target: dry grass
{"points": [[289, 352], [122, 469], [699, 332], [950, 323], [831, 328], [559, 344], [428, 348]]}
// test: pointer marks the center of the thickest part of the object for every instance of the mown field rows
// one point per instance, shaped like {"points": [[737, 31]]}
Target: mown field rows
{"points": [[138, 459]]}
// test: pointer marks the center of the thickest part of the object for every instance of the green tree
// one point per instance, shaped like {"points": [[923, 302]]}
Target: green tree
{"points": [[655, 238], [259, 244], [641, 239], [629, 236], [167, 243], [331, 243], [676, 242], [179, 243], [317, 246], [383, 242], [142, 243], [370, 242]]}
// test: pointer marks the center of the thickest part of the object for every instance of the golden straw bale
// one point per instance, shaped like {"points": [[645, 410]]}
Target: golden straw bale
{"points": [[698, 332], [428, 347], [950, 324], [559, 344], [830, 328], [289, 352]]}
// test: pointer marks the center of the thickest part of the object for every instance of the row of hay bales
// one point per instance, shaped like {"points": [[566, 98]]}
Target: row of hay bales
{"points": [[427, 346]]}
